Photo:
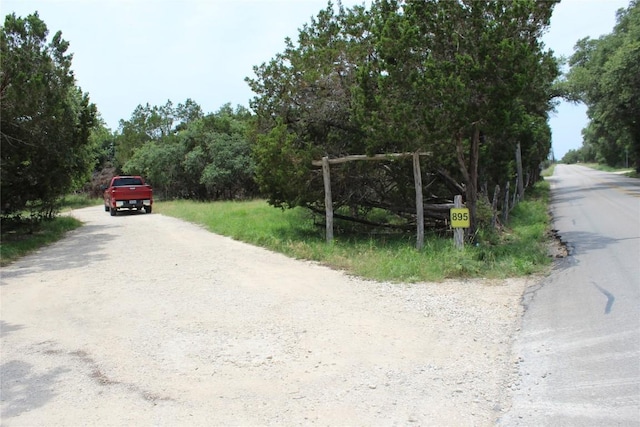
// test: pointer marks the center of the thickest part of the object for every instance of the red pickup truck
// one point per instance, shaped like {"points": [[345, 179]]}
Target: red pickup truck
{"points": [[127, 192]]}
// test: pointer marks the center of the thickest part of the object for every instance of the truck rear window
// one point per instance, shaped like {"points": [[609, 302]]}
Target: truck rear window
{"points": [[122, 182]]}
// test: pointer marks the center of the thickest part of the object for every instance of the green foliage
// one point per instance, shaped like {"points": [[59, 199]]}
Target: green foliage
{"points": [[605, 75], [225, 153], [228, 172], [548, 170], [303, 109], [156, 161], [102, 142], [463, 80], [77, 201], [484, 213], [202, 157], [281, 167], [46, 120], [152, 123], [573, 156]]}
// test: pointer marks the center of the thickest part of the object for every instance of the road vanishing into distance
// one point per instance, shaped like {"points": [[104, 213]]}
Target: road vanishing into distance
{"points": [[579, 346]]}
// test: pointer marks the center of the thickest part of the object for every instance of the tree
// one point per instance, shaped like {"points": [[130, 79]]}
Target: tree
{"points": [[450, 74], [605, 75], [102, 141], [46, 119], [229, 168], [152, 123], [464, 80], [159, 162], [303, 109], [205, 158]]}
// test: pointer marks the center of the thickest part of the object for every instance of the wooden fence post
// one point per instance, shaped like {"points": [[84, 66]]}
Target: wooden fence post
{"points": [[328, 202], [417, 176], [458, 233], [520, 176], [505, 207], [494, 206]]}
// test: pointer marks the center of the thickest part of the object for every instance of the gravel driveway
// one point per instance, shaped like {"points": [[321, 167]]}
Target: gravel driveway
{"points": [[149, 320]]}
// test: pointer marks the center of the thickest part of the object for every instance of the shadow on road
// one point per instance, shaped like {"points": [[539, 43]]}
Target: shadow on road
{"points": [[570, 193], [80, 248], [583, 241], [24, 390], [7, 328], [565, 196], [131, 212]]}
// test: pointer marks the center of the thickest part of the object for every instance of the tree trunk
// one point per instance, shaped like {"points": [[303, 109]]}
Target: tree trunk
{"points": [[470, 173], [451, 183], [520, 184], [635, 135], [417, 176]]}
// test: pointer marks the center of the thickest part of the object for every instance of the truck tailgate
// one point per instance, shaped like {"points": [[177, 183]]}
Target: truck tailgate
{"points": [[131, 193]]}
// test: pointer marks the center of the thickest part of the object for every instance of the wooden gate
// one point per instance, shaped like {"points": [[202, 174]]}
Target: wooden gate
{"points": [[417, 176]]}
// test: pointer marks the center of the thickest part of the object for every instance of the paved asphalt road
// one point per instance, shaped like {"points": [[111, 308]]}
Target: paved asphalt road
{"points": [[579, 346]]}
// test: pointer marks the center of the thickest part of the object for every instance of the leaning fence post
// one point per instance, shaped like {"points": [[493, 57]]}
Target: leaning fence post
{"points": [[328, 202]]}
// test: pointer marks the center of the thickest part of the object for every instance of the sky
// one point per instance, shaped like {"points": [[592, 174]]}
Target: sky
{"points": [[132, 52]]}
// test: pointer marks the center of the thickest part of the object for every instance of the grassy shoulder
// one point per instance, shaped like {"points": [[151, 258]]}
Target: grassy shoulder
{"points": [[630, 172], [548, 171], [25, 239], [521, 249], [77, 201], [21, 240]]}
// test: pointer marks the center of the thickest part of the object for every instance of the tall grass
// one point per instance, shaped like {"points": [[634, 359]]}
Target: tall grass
{"points": [[77, 201], [520, 249]]}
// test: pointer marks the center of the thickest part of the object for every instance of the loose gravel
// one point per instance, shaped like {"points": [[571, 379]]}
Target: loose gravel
{"points": [[144, 319]]}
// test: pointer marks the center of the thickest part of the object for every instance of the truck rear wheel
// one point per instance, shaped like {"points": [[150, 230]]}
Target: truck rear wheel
{"points": [[147, 209], [106, 208], [113, 211]]}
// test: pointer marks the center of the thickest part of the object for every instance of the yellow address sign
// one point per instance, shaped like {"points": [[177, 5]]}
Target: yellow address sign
{"points": [[460, 218]]}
